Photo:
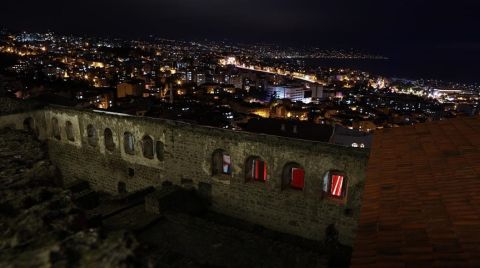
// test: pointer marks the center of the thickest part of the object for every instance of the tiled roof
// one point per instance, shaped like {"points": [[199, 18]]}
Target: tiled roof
{"points": [[421, 204]]}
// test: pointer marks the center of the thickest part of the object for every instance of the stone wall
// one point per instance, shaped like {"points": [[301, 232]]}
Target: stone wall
{"points": [[11, 105], [186, 161]]}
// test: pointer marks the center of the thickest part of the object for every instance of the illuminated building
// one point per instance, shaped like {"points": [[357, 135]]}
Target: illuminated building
{"points": [[262, 112], [297, 93], [97, 64]]}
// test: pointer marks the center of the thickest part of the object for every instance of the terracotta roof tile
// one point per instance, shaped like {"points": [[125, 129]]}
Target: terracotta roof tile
{"points": [[421, 204]]}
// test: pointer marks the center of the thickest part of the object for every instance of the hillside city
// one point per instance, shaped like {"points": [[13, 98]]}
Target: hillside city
{"points": [[225, 85]]}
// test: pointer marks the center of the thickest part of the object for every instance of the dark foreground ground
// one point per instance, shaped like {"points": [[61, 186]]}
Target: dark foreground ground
{"points": [[44, 223]]}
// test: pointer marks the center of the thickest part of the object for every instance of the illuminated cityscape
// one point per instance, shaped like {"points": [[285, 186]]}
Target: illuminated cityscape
{"points": [[227, 83], [266, 133]]}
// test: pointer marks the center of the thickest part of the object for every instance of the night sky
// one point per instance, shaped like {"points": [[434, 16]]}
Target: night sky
{"points": [[427, 38], [351, 23]]}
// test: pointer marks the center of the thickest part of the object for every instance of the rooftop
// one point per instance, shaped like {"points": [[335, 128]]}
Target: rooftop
{"points": [[291, 128], [421, 204]]}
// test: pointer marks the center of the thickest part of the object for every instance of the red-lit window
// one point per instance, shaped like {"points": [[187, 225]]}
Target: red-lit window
{"points": [[335, 184], [255, 169], [293, 176], [297, 180], [259, 170]]}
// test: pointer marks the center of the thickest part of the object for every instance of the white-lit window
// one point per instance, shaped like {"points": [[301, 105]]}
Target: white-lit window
{"points": [[221, 163], [335, 184]]}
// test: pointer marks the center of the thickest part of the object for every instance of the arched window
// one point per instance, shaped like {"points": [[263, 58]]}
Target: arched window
{"points": [[160, 150], [255, 169], [55, 129], [335, 184], [362, 145], [129, 143], [355, 145], [221, 163], [293, 176], [28, 124], [92, 135], [147, 147], [69, 131], [122, 187], [108, 139]]}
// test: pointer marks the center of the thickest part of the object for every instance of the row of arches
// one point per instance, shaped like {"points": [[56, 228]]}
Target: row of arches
{"points": [[335, 183], [150, 148], [68, 129]]}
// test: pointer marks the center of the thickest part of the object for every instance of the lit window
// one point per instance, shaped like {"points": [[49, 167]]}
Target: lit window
{"points": [[293, 176], [259, 170], [298, 178], [355, 145], [335, 184], [256, 169], [227, 165], [221, 163]]}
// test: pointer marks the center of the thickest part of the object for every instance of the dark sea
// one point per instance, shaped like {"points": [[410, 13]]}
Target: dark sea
{"points": [[461, 67]]}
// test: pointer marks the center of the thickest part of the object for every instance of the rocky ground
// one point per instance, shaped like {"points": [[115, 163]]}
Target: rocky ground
{"points": [[40, 225], [44, 223]]}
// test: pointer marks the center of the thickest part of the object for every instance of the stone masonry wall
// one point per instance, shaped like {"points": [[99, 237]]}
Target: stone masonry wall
{"points": [[187, 162]]}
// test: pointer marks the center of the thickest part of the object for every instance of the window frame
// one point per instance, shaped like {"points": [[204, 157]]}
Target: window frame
{"points": [[129, 139], [251, 167], [147, 138], [345, 185], [287, 179], [56, 131], [218, 164], [92, 135], [108, 140], [69, 131]]}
